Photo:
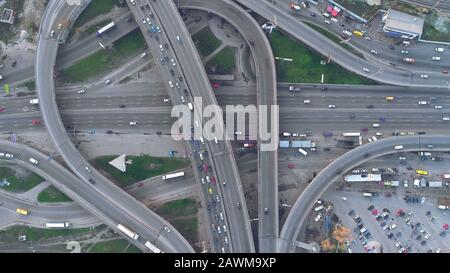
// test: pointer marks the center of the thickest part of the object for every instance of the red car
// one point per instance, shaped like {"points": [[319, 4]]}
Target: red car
{"points": [[290, 166], [445, 70], [36, 122], [213, 179], [215, 85], [2, 109], [205, 168]]}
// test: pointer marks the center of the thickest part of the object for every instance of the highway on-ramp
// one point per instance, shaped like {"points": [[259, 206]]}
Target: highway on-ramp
{"points": [[139, 218], [340, 166]]}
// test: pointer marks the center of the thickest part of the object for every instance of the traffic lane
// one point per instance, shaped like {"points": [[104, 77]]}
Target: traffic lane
{"points": [[199, 84], [347, 161]]}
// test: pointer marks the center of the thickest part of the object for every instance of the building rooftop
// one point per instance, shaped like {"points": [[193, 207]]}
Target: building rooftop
{"points": [[403, 22]]}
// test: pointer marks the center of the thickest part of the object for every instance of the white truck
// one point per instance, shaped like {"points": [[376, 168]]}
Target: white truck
{"points": [[172, 175], [57, 225], [128, 231], [303, 152]]}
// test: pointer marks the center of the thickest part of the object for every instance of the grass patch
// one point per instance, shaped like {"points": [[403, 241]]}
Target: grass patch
{"points": [[224, 62], [10, 235], [30, 85], [306, 66], [430, 32], [188, 227], [99, 63], [95, 8], [19, 184], [143, 167], [182, 207], [52, 195], [114, 246], [205, 41]]}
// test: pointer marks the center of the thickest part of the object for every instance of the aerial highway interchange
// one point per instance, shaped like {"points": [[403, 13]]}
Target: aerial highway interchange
{"points": [[403, 100]]}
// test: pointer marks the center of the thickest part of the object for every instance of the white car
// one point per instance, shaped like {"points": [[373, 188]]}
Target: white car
{"points": [[427, 236], [183, 101], [203, 180], [34, 161], [173, 62], [197, 124], [366, 70], [82, 91], [334, 20], [224, 228], [167, 229], [424, 76], [207, 179], [9, 156], [346, 32], [379, 134], [178, 38], [306, 101], [86, 168], [226, 239], [373, 51], [238, 133], [367, 38], [108, 81], [331, 106], [446, 118], [177, 84], [143, 55], [436, 58], [52, 33], [161, 47], [201, 156], [60, 26], [170, 84], [166, 100], [132, 123], [438, 107], [327, 22], [401, 158], [422, 102], [404, 51]]}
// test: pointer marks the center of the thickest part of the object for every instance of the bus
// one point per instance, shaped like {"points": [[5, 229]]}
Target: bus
{"points": [[446, 176], [57, 225], [173, 175], [128, 231], [152, 247], [105, 29], [421, 172], [22, 211], [358, 33], [354, 134]]}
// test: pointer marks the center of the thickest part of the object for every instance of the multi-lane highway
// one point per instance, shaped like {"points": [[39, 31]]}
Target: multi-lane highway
{"points": [[139, 218], [338, 167], [174, 39], [379, 72]]}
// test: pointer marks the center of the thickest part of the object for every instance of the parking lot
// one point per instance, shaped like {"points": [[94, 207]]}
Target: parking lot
{"points": [[414, 231]]}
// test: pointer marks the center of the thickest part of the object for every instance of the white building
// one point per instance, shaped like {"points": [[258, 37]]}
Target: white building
{"points": [[402, 25]]}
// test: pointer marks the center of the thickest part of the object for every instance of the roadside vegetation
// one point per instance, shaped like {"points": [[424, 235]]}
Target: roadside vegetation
{"points": [[143, 167], [19, 182], [7, 31], [95, 8], [182, 214], [223, 63], [97, 64], [306, 65], [30, 85], [205, 41], [52, 195], [11, 234], [114, 246]]}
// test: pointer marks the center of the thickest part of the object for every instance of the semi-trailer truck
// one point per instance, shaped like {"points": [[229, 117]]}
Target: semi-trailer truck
{"points": [[172, 175]]}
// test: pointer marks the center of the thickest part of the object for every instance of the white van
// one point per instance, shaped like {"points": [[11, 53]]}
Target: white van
{"points": [[34, 161], [398, 147], [191, 107], [34, 101], [439, 49]]}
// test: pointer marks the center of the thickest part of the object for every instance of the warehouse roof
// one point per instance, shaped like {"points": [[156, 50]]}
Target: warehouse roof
{"points": [[403, 22]]}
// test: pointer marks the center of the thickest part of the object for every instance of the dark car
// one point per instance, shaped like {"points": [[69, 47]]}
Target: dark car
{"points": [[122, 106], [423, 243], [370, 106], [368, 235], [351, 212], [399, 234], [419, 237], [352, 115], [180, 78], [109, 132], [390, 235], [92, 181], [172, 72], [443, 233], [378, 218], [313, 14], [391, 47], [360, 225], [371, 207]]}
